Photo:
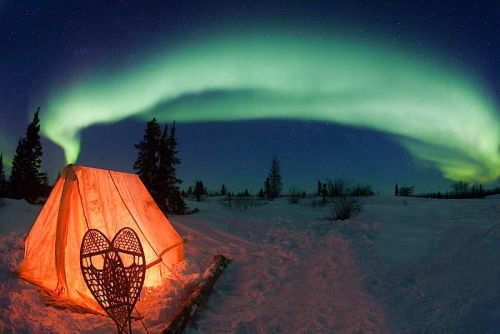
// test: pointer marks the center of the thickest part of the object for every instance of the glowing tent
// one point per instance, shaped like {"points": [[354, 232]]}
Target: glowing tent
{"points": [[88, 198]]}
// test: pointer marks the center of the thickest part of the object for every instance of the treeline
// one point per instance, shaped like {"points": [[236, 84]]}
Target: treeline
{"points": [[26, 181], [459, 190], [341, 187]]}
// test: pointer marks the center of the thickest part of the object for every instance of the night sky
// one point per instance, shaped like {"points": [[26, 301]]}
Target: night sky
{"points": [[376, 92]]}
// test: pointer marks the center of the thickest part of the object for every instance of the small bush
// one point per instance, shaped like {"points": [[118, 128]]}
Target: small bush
{"points": [[344, 207]]}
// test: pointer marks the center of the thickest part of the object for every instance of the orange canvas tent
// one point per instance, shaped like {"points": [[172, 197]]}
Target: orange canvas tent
{"points": [[88, 198]]}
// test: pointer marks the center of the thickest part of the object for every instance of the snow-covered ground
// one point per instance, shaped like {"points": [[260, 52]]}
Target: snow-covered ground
{"points": [[404, 265]]}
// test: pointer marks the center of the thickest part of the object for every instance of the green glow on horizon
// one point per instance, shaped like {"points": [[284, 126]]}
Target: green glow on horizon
{"points": [[439, 115]]}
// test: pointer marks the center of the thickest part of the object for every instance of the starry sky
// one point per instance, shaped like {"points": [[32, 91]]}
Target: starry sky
{"points": [[376, 92]]}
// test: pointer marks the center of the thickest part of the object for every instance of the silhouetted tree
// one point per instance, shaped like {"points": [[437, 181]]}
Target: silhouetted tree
{"points": [[247, 193], [223, 190], [324, 193], [167, 184], [267, 187], [146, 165], [396, 190], [26, 178], [261, 193], [318, 191], [199, 190], [274, 177]]}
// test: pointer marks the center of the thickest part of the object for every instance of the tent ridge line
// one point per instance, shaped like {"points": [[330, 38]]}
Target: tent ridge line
{"points": [[80, 196]]}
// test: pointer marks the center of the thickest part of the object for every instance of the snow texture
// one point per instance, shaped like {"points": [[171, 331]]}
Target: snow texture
{"points": [[404, 265]]}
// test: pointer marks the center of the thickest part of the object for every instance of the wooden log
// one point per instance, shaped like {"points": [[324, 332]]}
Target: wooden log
{"points": [[198, 297]]}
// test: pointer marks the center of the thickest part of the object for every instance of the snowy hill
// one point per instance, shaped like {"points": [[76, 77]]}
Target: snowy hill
{"points": [[404, 265]]}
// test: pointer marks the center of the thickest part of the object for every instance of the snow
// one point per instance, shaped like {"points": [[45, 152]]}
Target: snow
{"points": [[403, 265]]}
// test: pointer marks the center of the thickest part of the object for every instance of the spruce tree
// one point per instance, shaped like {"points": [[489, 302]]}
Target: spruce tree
{"points": [[274, 177], [26, 178], [147, 159], [223, 190], [167, 183], [199, 190], [318, 191]]}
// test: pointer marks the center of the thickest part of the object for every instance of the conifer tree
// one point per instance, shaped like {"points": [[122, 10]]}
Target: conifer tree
{"points": [[396, 192], [199, 190], [261, 193], [223, 190], [167, 183], [26, 178], [318, 191], [147, 159], [274, 177]]}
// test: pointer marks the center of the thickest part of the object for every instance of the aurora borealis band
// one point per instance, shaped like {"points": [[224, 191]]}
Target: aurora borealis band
{"points": [[440, 114]]}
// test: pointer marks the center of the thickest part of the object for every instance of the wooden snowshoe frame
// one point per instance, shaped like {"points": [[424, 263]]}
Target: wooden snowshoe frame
{"points": [[114, 272]]}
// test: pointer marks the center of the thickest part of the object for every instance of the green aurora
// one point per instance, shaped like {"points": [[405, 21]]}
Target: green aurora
{"points": [[442, 116]]}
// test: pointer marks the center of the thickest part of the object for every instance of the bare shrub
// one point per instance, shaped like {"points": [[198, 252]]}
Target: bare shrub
{"points": [[344, 207], [362, 190], [337, 188]]}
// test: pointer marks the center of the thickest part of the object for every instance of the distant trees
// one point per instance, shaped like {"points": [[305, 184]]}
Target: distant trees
{"points": [[223, 190], [199, 190], [406, 190], [460, 188], [273, 182], [155, 165], [338, 187], [26, 179]]}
